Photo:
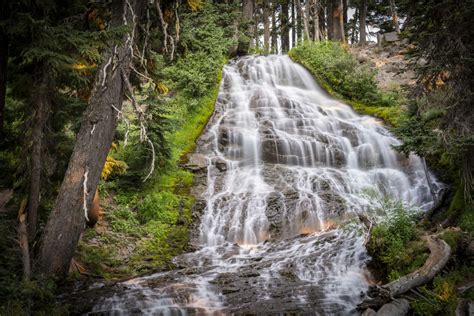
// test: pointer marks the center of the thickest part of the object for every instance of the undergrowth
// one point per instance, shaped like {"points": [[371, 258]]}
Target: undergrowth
{"points": [[146, 224]]}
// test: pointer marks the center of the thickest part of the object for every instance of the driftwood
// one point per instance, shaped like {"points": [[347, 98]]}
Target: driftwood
{"points": [[380, 295], [23, 240]]}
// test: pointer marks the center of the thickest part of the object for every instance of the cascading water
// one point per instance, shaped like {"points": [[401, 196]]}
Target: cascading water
{"points": [[288, 168]]}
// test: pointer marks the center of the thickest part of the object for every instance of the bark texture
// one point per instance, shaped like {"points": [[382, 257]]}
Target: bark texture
{"points": [[393, 10], [362, 22], [266, 27], [3, 76], [248, 8], [338, 21], [23, 241], [330, 30], [41, 104], [67, 220], [274, 29], [284, 27]]}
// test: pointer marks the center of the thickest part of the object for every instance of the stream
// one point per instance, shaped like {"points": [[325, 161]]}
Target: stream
{"points": [[286, 173]]}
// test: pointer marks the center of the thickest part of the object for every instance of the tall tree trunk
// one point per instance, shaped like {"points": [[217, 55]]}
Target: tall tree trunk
{"points": [[362, 22], [299, 21], [305, 15], [393, 10], [41, 104], [256, 35], [248, 8], [284, 27], [338, 20], [3, 77], [329, 18], [322, 22], [345, 6], [4, 14], [99, 121], [354, 33], [266, 27], [274, 28], [293, 24], [317, 32]]}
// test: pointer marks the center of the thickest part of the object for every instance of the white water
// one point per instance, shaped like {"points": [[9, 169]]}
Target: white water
{"points": [[297, 166]]}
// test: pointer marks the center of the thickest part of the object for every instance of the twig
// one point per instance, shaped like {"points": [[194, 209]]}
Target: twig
{"points": [[139, 114]]}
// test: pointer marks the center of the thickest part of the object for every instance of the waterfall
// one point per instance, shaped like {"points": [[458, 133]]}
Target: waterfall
{"points": [[289, 170]]}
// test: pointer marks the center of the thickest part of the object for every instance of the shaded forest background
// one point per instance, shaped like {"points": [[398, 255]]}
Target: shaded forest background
{"points": [[101, 101]]}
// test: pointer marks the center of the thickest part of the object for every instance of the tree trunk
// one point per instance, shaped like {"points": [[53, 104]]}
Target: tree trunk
{"points": [[355, 35], [393, 10], [256, 41], [3, 76], [41, 105], [248, 8], [322, 23], [274, 28], [345, 6], [284, 27], [329, 18], [266, 27], [299, 21], [23, 241], [293, 24], [338, 21], [67, 219], [362, 22], [305, 16], [317, 32]]}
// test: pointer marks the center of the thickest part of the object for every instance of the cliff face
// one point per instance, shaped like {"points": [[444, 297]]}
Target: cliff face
{"points": [[390, 62]]}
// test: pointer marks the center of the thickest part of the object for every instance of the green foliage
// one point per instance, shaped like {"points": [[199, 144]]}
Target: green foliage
{"points": [[394, 244], [444, 68], [441, 295], [343, 77], [154, 216]]}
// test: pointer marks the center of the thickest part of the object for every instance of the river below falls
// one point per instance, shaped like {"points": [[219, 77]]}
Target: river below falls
{"points": [[286, 171]]}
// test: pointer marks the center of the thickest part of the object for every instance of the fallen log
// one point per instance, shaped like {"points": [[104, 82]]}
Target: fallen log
{"points": [[439, 256]]}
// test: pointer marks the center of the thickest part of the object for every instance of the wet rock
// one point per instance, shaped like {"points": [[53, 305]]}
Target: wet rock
{"points": [[398, 307], [196, 162], [334, 204], [275, 213], [391, 37], [369, 312], [220, 164]]}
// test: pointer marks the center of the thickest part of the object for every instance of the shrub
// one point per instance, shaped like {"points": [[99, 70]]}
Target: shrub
{"points": [[393, 244]]}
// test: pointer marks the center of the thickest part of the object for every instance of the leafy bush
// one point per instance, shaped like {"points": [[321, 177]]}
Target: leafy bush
{"points": [[394, 246]]}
